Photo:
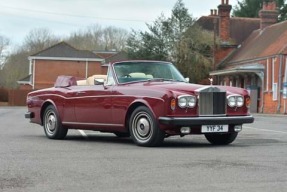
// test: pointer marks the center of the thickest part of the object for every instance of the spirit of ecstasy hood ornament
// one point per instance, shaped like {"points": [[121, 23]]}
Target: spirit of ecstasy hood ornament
{"points": [[211, 81]]}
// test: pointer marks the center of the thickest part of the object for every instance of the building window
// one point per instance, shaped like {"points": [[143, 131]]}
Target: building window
{"points": [[237, 82]]}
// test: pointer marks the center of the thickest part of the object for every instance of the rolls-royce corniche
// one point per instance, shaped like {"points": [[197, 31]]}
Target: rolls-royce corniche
{"points": [[145, 100]]}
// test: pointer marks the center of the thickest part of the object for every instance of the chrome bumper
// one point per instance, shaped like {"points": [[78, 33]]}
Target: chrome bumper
{"points": [[29, 115], [189, 121]]}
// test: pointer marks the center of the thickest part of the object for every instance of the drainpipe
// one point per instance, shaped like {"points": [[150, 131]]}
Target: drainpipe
{"points": [[280, 82], [261, 76], [87, 68], [30, 66], [285, 80], [33, 80]]}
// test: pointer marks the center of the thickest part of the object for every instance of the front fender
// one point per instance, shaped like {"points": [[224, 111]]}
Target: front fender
{"points": [[48, 102]]}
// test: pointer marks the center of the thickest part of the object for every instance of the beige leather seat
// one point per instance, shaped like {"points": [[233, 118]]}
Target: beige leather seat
{"points": [[91, 79], [141, 75], [82, 82]]}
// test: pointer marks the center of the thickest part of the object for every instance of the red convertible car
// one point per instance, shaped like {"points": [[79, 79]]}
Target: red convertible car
{"points": [[146, 100]]}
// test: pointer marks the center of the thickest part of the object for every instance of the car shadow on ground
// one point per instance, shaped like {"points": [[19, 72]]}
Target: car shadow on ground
{"points": [[168, 142]]}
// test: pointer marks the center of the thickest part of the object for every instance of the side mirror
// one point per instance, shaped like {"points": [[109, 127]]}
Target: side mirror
{"points": [[99, 81], [187, 79]]}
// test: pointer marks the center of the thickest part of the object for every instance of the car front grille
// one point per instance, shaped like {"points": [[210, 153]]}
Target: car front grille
{"points": [[212, 102]]}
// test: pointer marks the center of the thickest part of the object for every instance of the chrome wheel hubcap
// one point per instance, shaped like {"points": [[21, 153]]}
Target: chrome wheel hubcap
{"points": [[50, 123], [142, 126]]}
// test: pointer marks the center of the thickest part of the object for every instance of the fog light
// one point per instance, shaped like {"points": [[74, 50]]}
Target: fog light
{"points": [[238, 128], [185, 130]]}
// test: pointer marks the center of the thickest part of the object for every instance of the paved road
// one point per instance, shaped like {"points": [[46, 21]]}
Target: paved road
{"points": [[256, 161]]}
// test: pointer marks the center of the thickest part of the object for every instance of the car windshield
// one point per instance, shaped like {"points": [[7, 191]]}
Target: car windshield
{"points": [[147, 71]]}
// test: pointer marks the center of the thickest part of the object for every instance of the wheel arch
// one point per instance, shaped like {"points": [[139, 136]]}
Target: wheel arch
{"points": [[131, 108], [136, 104], [44, 107]]}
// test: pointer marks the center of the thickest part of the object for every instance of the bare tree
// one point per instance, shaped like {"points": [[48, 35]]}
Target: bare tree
{"points": [[114, 38], [92, 38], [4, 43], [16, 68], [88, 39], [16, 64], [39, 39], [95, 37]]}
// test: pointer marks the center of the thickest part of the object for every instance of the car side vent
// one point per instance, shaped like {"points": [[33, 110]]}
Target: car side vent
{"points": [[212, 102]]}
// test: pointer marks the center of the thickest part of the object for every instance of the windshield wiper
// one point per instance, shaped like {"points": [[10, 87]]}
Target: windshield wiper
{"points": [[163, 79], [155, 79]]}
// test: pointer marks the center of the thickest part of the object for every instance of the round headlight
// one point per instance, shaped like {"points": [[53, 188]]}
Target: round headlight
{"points": [[239, 101], [191, 102], [231, 101], [182, 102]]}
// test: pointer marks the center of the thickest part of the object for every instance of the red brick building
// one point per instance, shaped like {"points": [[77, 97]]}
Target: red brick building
{"points": [[252, 54], [63, 59]]}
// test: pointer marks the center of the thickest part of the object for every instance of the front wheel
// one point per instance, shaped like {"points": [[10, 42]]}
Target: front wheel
{"points": [[52, 125], [221, 139], [144, 128]]}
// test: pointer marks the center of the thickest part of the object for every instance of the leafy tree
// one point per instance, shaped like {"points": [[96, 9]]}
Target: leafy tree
{"points": [[177, 25], [251, 8], [196, 55], [163, 38], [175, 39], [149, 45]]}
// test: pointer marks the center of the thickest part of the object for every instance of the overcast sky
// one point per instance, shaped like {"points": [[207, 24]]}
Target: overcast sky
{"points": [[18, 17]]}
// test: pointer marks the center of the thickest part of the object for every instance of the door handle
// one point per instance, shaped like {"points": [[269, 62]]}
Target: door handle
{"points": [[80, 92]]}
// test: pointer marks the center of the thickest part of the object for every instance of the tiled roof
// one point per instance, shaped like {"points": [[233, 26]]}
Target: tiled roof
{"points": [[117, 57], [240, 28], [26, 79], [105, 54], [262, 43], [65, 50]]}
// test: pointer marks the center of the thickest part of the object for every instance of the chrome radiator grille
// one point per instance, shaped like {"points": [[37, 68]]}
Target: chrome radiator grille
{"points": [[212, 102]]}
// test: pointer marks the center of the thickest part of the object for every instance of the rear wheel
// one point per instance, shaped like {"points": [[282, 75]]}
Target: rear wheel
{"points": [[52, 125], [144, 128], [221, 139]]}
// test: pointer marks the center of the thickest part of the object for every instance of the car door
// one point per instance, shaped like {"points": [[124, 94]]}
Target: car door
{"points": [[93, 105]]}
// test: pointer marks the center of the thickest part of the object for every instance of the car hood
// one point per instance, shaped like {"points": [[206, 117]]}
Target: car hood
{"points": [[188, 88]]}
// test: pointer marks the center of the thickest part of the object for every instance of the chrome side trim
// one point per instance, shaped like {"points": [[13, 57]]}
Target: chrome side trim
{"points": [[93, 124], [98, 96]]}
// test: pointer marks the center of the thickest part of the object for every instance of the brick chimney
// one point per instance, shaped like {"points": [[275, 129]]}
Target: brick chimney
{"points": [[213, 12], [268, 14], [224, 20]]}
